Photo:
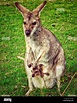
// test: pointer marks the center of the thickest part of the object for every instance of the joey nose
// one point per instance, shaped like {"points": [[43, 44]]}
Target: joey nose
{"points": [[27, 32]]}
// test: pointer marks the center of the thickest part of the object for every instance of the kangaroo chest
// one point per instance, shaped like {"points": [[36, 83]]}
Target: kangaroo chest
{"points": [[36, 46]]}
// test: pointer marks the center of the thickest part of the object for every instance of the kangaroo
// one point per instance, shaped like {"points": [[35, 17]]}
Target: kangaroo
{"points": [[44, 58]]}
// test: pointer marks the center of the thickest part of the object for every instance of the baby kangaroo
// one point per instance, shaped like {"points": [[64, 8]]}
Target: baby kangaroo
{"points": [[44, 60]]}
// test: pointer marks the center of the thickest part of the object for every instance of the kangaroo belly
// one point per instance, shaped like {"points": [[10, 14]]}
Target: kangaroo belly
{"points": [[39, 82]]}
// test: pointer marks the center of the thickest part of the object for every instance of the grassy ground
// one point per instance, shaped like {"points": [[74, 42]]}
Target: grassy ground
{"points": [[60, 17]]}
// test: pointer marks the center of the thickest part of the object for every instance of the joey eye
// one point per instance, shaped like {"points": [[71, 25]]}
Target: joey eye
{"points": [[24, 22], [34, 23]]}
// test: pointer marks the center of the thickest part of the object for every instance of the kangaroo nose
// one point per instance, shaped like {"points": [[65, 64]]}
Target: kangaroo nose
{"points": [[27, 32]]}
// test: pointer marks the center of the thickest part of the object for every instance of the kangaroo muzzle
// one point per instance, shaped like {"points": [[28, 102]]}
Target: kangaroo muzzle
{"points": [[27, 32]]}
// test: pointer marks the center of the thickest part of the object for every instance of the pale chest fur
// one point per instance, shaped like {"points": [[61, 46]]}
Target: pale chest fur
{"points": [[38, 45]]}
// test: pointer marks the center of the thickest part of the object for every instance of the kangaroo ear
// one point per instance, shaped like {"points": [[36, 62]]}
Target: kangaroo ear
{"points": [[39, 9], [21, 8]]}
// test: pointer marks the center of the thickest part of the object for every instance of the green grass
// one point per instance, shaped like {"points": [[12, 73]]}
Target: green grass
{"points": [[60, 18]]}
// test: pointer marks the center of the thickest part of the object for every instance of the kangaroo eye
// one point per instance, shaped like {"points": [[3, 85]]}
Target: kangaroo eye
{"points": [[34, 23], [24, 22]]}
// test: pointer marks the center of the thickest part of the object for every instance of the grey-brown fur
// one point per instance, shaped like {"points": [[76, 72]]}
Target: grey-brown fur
{"points": [[42, 48]]}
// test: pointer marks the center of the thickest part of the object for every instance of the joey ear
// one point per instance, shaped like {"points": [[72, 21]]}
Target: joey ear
{"points": [[21, 8], [39, 9]]}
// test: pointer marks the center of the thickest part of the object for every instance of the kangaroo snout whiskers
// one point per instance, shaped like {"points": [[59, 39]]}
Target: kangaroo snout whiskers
{"points": [[44, 60], [27, 32]]}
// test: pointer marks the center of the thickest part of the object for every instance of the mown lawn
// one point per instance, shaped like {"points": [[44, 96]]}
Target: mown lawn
{"points": [[60, 17]]}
